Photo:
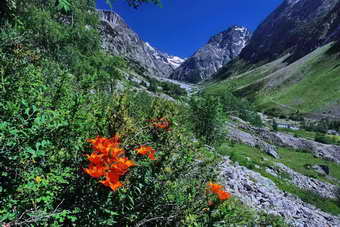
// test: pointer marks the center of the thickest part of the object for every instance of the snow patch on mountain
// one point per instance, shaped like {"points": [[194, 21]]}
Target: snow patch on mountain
{"points": [[175, 61], [149, 46], [220, 49]]}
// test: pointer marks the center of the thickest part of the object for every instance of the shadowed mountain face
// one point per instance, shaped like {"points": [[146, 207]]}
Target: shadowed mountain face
{"points": [[120, 40], [297, 27], [220, 49]]}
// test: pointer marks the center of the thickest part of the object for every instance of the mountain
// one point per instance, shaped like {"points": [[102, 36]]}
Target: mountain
{"points": [[291, 63], [309, 86], [120, 40], [297, 27], [219, 50]]}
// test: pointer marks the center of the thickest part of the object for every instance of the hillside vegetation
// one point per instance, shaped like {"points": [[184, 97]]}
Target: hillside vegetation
{"points": [[309, 85], [58, 89]]}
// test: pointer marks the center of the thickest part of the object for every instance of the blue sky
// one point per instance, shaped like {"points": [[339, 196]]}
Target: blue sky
{"points": [[180, 27]]}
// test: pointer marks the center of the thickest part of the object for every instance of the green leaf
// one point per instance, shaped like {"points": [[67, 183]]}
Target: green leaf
{"points": [[64, 5]]}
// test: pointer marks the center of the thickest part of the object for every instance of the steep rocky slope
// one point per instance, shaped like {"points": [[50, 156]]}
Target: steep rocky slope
{"points": [[120, 40], [219, 50], [261, 193], [281, 184], [297, 27]]}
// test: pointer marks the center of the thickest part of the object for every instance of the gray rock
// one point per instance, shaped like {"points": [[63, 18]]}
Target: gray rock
{"points": [[251, 140], [219, 50], [324, 151], [271, 172], [297, 26], [262, 194], [119, 39], [323, 189], [322, 169], [319, 150]]}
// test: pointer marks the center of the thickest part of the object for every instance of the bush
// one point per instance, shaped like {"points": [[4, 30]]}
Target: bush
{"points": [[174, 90], [239, 107], [153, 86], [171, 89], [207, 118], [275, 126]]}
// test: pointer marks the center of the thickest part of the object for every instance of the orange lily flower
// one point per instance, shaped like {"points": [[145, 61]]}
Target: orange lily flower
{"points": [[95, 158], [222, 195], [146, 150], [95, 171], [161, 123], [114, 186], [108, 160], [217, 190], [214, 187]]}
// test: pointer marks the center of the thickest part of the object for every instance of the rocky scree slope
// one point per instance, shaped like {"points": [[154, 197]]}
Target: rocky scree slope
{"points": [[120, 40], [268, 142], [297, 27], [260, 192], [219, 50]]}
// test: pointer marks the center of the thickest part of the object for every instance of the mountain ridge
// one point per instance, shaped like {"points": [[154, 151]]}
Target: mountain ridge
{"points": [[297, 27], [119, 39], [219, 50]]}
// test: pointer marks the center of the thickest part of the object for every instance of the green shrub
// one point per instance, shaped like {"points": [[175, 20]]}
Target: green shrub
{"points": [[275, 126], [174, 90], [321, 138], [207, 119], [240, 107]]}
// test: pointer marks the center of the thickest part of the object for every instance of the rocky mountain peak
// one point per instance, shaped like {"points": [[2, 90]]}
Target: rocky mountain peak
{"points": [[219, 50], [291, 2], [233, 34], [120, 40], [297, 27]]}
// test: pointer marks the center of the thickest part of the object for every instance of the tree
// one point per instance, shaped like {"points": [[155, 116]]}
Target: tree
{"points": [[275, 126], [6, 9], [137, 3]]}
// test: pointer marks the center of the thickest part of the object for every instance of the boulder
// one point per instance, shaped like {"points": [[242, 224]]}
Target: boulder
{"points": [[322, 169], [246, 138]]}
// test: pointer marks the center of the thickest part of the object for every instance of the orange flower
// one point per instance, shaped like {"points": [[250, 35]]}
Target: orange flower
{"points": [[126, 162], [161, 123], [214, 188], [95, 171], [222, 195], [95, 158], [146, 150], [104, 145], [217, 190], [114, 185], [107, 160]]}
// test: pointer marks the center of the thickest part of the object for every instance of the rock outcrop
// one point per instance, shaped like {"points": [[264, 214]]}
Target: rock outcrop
{"points": [[256, 137], [323, 189], [261, 193], [240, 136], [320, 150]]}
